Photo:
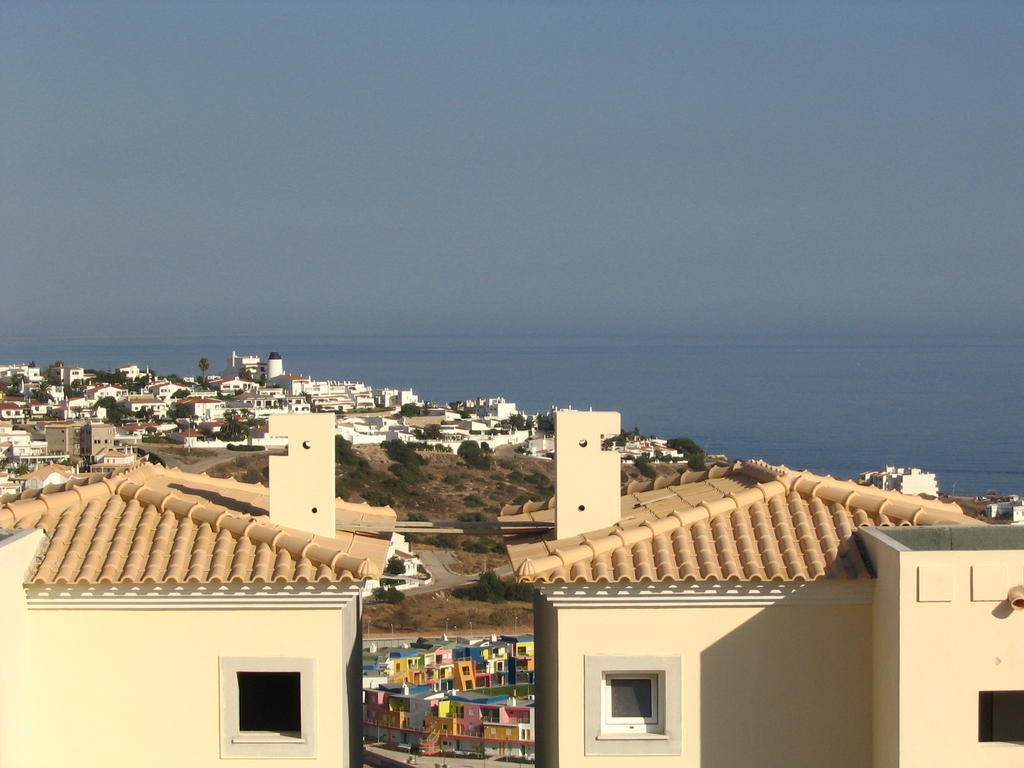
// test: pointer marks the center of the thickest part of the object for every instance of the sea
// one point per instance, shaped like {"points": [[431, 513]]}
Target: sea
{"points": [[839, 404]]}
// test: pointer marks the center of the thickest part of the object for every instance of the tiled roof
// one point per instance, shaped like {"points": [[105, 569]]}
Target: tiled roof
{"points": [[158, 525], [749, 522]]}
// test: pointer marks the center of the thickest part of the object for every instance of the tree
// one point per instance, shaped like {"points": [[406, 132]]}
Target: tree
{"points": [[245, 373], [692, 452], [204, 366], [388, 595], [410, 409], [116, 412], [696, 461], [684, 445], [490, 589], [53, 372], [473, 455], [516, 421], [395, 566], [644, 465], [432, 432], [178, 411], [345, 454], [234, 429]]}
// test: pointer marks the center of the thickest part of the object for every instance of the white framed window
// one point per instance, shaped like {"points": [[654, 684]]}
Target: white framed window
{"points": [[631, 702], [632, 705], [268, 707]]}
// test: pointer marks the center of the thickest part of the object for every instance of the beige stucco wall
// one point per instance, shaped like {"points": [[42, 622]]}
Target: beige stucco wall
{"points": [[17, 553], [142, 687], [960, 641], [776, 687], [302, 482], [586, 477]]}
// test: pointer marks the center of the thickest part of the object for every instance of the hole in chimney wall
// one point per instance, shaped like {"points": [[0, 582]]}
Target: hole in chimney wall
{"points": [[306, 444], [583, 443], [581, 507], [314, 510]]}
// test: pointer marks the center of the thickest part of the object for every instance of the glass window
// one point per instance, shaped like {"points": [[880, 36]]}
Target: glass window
{"points": [[631, 697], [630, 703]]}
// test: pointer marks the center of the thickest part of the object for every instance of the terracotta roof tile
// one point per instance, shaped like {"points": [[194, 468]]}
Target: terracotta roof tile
{"points": [[748, 522], [165, 526]]}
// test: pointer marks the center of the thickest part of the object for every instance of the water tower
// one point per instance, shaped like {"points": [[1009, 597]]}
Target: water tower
{"points": [[275, 365]]}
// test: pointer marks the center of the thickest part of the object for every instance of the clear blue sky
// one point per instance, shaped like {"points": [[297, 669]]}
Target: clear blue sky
{"points": [[493, 167]]}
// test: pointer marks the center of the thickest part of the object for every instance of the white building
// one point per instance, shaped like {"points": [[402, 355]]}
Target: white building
{"points": [[1012, 507], [272, 367], [234, 386], [69, 374], [11, 410], [130, 371], [28, 372], [653, 448], [539, 446], [146, 404], [203, 408], [495, 408], [909, 480], [164, 390], [18, 447], [394, 398], [399, 549], [99, 391], [50, 474], [337, 395]]}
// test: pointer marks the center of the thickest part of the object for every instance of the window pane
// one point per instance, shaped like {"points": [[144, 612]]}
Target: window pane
{"points": [[631, 697], [269, 701]]}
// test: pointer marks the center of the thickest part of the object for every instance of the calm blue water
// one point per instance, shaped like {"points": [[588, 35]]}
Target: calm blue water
{"points": [[838, 405]]}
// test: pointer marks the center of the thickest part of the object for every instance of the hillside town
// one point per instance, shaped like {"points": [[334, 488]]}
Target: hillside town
{"points": [[63, 421]]}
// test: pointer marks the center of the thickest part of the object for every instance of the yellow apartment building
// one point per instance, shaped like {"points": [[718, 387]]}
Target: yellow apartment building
{"points": [[162, 619], [752, 615]]}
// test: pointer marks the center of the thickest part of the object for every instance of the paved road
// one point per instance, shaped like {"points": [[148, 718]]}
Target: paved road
{"points": [[439, 563], [202, 465], [398, 758]]}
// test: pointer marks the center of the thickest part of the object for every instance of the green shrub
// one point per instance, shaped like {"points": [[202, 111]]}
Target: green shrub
{"points": [[388, 594], [474, 455], [491, 589], [345, 454], [644, 465]]}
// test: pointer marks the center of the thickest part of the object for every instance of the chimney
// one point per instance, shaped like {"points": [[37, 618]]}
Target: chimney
{"points": [[587, 495], [302, 483]]}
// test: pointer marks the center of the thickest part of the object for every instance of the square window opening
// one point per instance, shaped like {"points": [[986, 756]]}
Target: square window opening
{"points": [[1001, 716], [270, 702], [268, 707], [632, 702]]}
